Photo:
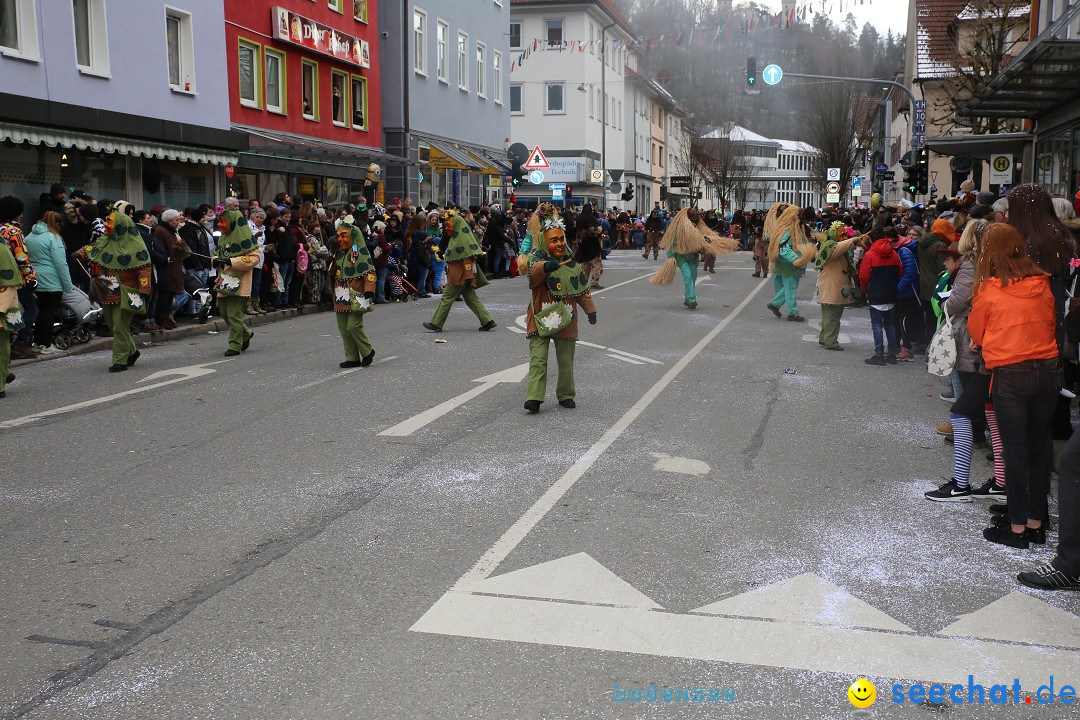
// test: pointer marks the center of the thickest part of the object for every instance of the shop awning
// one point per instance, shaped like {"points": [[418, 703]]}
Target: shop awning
{"points": [[445, 156], [316, 150], [1043, 77], [981, 147], [55, 137], [495, 162]]}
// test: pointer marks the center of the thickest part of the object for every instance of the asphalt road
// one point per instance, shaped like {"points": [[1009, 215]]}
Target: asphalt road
{"points": [[729, 507]]}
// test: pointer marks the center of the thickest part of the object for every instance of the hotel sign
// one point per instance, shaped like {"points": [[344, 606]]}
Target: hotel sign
{"points": [[299, 30]]}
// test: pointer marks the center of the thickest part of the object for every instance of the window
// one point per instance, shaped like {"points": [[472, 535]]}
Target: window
{"points": [[515, 99], [419, 42], [18, 29], [554, 94], [481, 70], [336, 5], [515, 35], [591, 111], [339, 98], [274, 65], [180, 50], [360, 10], [248, 55], [497, 79], [359, 103], [592, 38], [463, 61], [309, 75], [553, 32], [442, 51], [91, 37]]}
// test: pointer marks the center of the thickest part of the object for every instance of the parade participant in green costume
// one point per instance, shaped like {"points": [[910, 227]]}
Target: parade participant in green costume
{"points": [[11, 318], [463, 274], [558, 289], [354, 288], [532, 231], [123, 287], [237, 256], [686, 236]]}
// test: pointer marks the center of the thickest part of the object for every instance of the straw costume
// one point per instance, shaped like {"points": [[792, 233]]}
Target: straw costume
{"points": [[237, 256], [559, 288], [463, 274], [11, 317], [123, 288], [789, 252], [354, 288], [686, 236]]}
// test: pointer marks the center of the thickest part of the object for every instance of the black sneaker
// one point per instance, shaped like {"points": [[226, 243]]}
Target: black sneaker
{"points": [[796, 318], [487, 326], [10, 377], [117, 368], [947, 397], [533, 406], [367, 359], [999, 509], [949, 492], [988, 489], [890, 359], [432, 328], [1003, 535], [568, 403], [350, 364], [876, 360], [773, 309], [1048, 577]]}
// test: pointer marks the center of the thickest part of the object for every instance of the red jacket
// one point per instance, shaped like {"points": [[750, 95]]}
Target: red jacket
{"points": [[1014, 323], [879, 273]]}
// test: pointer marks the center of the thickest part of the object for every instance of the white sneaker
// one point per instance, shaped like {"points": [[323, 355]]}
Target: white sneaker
{"points": [[47, 350]]}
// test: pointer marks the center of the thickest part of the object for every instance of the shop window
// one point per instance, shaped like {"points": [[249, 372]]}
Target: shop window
{"points": [[275, 80], [91, 37], [18, 29], [339, 97], [359, 103], [360, 10], [248, 64], [180, 47], [309, 73]]}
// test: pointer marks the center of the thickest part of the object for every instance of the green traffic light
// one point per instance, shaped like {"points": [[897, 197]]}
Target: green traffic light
{"points": [[751, 80]]}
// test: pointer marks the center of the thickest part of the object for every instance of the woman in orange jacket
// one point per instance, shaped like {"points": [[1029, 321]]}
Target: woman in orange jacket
{"points": [[1012, 321]]}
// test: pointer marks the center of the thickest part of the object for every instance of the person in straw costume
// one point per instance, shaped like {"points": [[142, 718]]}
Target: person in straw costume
{"points": [[686, 237], [790, 250]]}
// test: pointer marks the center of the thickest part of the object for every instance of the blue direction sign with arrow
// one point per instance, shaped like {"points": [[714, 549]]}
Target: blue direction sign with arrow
{"points": [[772, 74], [536, 177]]}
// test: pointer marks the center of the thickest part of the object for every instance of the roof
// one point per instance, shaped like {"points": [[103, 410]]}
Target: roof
{"points": [[796, 146], [737, 133], [608, 6], [935, 50], [973, 11]]}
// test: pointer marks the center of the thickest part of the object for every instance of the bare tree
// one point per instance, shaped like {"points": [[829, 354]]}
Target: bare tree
{"points": [[988, 35], [836, 124], [731, 169]]}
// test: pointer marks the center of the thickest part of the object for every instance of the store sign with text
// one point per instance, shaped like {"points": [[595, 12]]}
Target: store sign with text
{"points": [[299, 30]]}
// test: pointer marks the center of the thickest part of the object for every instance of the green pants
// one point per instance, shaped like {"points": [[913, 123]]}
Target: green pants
{"points": [[450, 293], [538, 364], [785, 287], [119, 322], [232, 309], [5, 357], [830, 324], [351, 327], [688, 265]]}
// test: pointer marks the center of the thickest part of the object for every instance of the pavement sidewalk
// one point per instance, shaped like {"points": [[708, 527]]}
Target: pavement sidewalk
{"points": [[214, 324]]}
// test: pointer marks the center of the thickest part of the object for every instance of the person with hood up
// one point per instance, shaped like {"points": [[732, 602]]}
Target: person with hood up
{"points": [[123, 288], [463, 274], [354, 288], [931, 265], [559, 288], [237, 255], [835, 268], [789, 253], [879, 275], [52, 201]]}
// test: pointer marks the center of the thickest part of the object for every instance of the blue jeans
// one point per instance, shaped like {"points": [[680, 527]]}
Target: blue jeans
{"points": [[256, 279], [180, 299], [380, 284], [438, 271], [884, 320], [498, 260], [287, 270], [28, 300], [421, 280], [194, 307]]}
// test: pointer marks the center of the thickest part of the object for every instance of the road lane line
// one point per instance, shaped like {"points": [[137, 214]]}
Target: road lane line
{"points": [[340, 374], [625, 359], [632, 355], [524, 525], [612, 287]]}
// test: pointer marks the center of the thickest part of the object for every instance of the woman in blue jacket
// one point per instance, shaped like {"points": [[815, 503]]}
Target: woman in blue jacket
{"points": [[909, 314], [49, 258]]}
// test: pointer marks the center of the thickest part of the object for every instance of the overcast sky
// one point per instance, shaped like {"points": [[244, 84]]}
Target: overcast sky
{"points": [[882, 14]]}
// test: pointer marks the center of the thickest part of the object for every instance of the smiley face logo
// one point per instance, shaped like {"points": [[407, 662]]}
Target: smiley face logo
{"points": [[862, 693]]}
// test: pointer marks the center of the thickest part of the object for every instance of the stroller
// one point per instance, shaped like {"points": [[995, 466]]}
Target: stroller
{"points": [[200, 293], [398, 288], [75, 319]]}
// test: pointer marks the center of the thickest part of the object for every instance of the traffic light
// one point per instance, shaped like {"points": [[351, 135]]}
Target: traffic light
{"points": [[628, 193], [922, 171], [663, 192], [569, 192], [518, 174], [911, 182], [751, 73]]}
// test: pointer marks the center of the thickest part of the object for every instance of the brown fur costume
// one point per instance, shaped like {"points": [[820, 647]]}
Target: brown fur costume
{"points": [[688, 234]]}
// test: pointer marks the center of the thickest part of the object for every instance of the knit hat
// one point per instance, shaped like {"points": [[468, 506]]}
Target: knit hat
{"points": [[944, 228], [967, 186], [985, 197]]}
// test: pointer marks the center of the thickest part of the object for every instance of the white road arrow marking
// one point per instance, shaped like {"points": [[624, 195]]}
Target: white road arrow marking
{"points": [[512, 375], [181, 374]]}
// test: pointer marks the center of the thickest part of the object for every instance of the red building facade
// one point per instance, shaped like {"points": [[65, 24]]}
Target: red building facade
{"points": [[303, 84]]}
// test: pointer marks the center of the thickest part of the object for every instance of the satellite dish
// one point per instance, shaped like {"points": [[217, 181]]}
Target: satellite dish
{"points": [[517, 153]]}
